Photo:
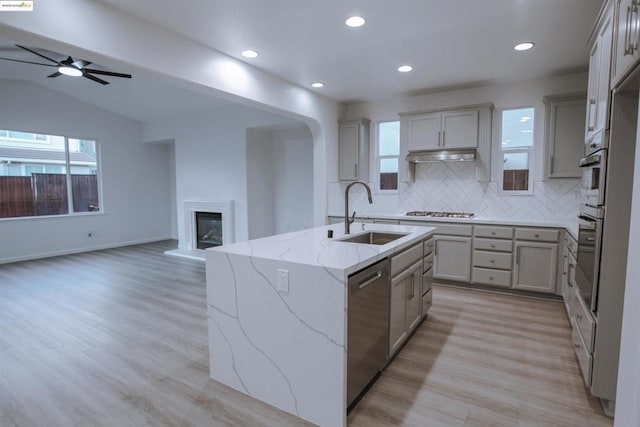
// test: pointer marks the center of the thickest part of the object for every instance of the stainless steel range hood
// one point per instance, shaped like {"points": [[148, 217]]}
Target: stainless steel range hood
{"points": [[442, 155]]}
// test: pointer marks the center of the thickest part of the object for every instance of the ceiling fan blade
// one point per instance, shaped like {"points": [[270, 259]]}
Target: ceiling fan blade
{"points": [[36, 53], [80, 64], [67, 61], [28, 62], [56, 74], [95, 79], [107, 73]]}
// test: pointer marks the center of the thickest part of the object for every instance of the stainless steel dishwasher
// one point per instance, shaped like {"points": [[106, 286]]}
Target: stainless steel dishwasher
{"points": [[368, 326]]}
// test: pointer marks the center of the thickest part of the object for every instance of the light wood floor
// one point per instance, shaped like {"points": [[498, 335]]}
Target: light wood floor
{"points": [[119, 338], [484, 359]]}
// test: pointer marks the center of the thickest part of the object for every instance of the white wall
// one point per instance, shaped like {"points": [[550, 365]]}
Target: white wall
{"points": [[135, 177], [453, 186], [211, 157], [260, 185], [628, 389], [102, 34], [293, 180]]}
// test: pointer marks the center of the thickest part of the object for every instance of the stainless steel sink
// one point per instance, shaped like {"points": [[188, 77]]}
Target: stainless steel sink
{"points": [[373, 238]]}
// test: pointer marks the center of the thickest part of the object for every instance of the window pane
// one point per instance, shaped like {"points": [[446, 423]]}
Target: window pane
{"points": [[389, 174], [515, 175], [21, 135], [517, 128], [389, 139], [32, 180], [84, 178]]}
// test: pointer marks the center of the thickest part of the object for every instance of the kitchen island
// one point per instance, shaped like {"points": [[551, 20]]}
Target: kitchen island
{"points": [[277, 315]]}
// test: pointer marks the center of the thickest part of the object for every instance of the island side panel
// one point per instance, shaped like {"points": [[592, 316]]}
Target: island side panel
{"points": [[286, 349]]}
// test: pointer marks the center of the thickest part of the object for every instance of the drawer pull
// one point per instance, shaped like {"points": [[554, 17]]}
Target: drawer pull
{"points": [[493, 233], [577, 346], [579, 317], [492, 261], [536, 236], [493, 246], [490, 277]]}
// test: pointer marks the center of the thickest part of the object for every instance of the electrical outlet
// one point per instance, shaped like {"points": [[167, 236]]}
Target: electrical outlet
{"points": [[283, 281]]}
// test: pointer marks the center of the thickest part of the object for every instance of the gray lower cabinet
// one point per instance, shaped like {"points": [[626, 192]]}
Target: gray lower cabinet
{"points": [[452, 258], [405, 305], [535, 266]]}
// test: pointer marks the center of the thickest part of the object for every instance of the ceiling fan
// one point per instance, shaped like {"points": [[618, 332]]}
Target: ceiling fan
{"points": [[71, 67]]}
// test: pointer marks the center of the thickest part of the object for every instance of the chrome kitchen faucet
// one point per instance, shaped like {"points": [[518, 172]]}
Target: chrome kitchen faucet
{"points": [[347, 220]]}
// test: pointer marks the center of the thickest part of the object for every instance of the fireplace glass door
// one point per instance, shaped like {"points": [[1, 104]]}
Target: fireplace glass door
{"points": [[208, 229]]}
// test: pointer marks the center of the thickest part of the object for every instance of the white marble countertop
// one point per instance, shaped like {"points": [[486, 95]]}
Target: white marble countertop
{"points": [[569, 225], [312, 246]]}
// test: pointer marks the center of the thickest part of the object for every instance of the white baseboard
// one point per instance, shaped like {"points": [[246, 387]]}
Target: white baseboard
{"points": [[85, 249]]}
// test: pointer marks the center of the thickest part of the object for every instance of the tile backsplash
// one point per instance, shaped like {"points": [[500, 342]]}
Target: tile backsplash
{"points": [[453, 187]]}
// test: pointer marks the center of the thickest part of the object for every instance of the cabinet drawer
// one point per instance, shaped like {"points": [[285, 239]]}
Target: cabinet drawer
{"points": [[428, 247], [492, 231], [583, 319], [583, 355], [427, 262], [427, 301], [493, 245], [491, 277], [492, 260], [400, 262], [427, 280], [454, 229], [537, 234]]}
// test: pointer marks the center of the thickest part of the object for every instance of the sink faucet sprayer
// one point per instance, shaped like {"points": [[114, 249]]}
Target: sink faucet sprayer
{"points": [[347, 220]]}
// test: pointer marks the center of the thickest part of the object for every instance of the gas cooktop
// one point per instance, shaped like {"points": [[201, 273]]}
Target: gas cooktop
{"points": [[441, 214]]}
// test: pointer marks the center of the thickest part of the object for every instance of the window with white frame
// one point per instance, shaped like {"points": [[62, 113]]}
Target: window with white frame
{"points": [[47, 175], [516, 151], [387, 155]]}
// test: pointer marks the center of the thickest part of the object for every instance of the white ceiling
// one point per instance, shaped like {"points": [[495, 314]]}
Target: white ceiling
{"points": [[450, 43]]}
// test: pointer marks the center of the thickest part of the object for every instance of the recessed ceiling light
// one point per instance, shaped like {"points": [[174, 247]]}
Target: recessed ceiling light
{"points": [[249, 53], [523, 46], [355, 21], [70, 71], [405, 68], [317, 84]]}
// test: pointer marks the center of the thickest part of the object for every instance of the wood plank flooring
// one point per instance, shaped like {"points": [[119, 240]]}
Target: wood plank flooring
{"points": [[484, 359], [119, 338]]}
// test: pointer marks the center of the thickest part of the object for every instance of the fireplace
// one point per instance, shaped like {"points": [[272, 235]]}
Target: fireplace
{"points": [[208, 229]]}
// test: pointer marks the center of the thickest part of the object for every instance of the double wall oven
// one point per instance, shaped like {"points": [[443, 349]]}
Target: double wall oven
{"points": [[594, 174]]}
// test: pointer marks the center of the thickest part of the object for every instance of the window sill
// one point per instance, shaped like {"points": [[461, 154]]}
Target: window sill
{"points": [[76, 214]]}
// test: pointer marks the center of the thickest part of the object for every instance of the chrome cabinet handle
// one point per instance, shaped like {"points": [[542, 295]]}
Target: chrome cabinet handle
{"points": [[443, 136], [439, 138], [517, 256], [590, 107], [634, 26], [627, 33], [370, 280], [355, 170]]}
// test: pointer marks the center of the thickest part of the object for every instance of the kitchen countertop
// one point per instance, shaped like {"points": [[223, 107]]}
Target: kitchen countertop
{"points": [[569, 225], [312, 247]]}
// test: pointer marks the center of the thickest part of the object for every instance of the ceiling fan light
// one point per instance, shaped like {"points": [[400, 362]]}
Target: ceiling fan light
{"points": [[69, 71]]}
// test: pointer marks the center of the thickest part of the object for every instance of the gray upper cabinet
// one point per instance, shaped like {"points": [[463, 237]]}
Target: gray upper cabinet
{"points": [[627, 39], [564, 135], [597, 114], [447, 129], [353, 150]]}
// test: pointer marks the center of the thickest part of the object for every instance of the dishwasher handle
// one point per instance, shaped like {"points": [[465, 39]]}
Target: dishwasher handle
{"points": [[366, 282]]}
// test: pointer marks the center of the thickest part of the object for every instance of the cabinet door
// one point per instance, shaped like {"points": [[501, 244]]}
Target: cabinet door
{"points": [[398, 312], [348, 151], [626, 38], [564, 136], [414, 299], [460, 129], [605, 38], [452, 258], [424, 131], [535, 267]]}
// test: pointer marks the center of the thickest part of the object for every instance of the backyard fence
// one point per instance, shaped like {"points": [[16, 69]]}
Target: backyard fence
{"points": [[46, 194]]}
